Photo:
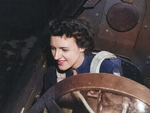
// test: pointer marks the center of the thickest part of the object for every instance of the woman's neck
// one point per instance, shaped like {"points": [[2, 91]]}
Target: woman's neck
{"points": [[79, 61]]}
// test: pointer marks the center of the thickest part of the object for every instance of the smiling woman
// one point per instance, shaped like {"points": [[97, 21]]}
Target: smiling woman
{"points": [[71, 42], [66, 52]]}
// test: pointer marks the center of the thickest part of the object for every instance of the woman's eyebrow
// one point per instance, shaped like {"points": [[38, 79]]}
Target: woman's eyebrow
{"points": [[59, 47], [63, 47], [51, 46]]}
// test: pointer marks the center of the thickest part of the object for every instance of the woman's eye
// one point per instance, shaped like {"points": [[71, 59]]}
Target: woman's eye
{"points": [[65, 50], [52, 48]]}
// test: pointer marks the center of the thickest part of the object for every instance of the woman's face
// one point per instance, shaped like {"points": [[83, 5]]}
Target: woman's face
{"points": [[66, 52]]}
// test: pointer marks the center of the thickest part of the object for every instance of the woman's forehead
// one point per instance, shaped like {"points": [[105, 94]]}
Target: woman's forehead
{"points": [[62, 41]]}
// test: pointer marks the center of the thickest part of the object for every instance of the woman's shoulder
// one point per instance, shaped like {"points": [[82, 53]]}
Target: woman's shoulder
{"points": [[51, 70], [89, 56], [50, 77]]}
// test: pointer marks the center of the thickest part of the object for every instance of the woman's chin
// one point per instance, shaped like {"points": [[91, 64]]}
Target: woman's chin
{"points": [[61, 68]]}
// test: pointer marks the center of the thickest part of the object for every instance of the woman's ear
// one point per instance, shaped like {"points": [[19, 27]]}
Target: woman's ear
{"points": [[82, 50]]}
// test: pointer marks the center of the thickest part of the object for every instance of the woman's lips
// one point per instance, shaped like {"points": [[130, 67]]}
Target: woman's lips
{"points": [[60, 62]]}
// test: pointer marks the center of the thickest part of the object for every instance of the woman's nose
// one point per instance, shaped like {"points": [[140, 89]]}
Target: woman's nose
{"points": [[57, 55]]}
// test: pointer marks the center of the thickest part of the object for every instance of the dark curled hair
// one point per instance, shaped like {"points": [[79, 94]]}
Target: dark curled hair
{"points": [[77, 28]]}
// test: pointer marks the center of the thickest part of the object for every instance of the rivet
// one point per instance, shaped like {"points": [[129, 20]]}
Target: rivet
{"points": [[97, 14], [145, 26], [139, 21], [147, 63]]}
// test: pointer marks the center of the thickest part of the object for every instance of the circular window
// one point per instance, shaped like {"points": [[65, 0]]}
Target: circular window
{"points": [[122, 17]]}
